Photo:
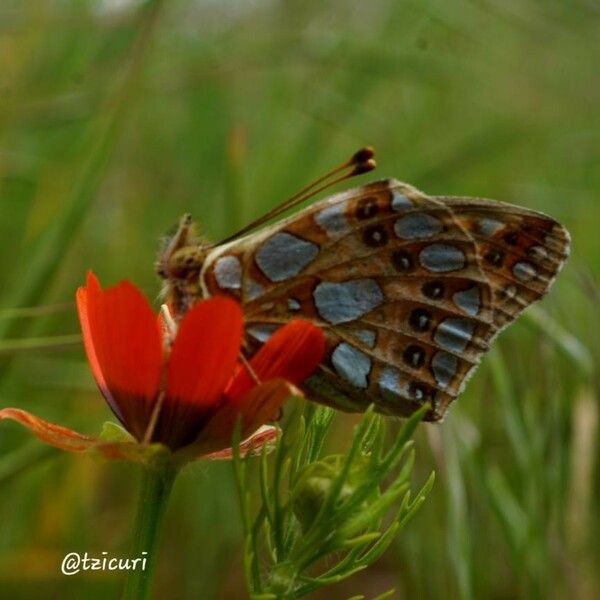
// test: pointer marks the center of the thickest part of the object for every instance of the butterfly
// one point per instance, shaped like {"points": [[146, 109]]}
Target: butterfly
{"points": [[409, 289]]}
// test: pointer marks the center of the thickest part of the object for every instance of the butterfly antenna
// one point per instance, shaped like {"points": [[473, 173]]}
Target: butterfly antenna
{"points": [[360, 162]]}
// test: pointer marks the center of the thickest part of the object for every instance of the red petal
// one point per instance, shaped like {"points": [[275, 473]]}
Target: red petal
{"points": [[202, 359], [67, 439], [55, 435], [263, 436], [82, 308], [260, 405], [291, 353], [123, 344]]}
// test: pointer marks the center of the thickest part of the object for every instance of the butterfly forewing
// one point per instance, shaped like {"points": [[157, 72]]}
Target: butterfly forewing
{"points": [[408, 288]]}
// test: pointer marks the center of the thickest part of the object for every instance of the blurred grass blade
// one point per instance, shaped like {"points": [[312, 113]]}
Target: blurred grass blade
{"points": [[35, 311], [22, 459], [460, 549], [515, 424], [48, 251], [511, 516], [568, 343], [55, 342]]}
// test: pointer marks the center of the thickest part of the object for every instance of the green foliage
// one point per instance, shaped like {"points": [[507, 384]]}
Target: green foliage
{"points": [[321, 519]]}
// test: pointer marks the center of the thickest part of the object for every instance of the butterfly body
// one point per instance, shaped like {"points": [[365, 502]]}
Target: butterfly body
{"points": [[409, 289]]}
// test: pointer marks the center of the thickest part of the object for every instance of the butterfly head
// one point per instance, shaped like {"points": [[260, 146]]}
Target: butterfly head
{"points": [[179, 263]]}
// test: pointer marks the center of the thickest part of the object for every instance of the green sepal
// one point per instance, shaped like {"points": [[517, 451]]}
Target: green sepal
{"points": [[113, 432]]}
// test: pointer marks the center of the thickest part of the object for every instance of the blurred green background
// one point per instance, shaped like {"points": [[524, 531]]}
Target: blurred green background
{"points": [[117, 116]]}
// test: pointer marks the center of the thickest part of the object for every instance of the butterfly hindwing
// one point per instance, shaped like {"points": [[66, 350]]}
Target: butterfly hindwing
{"points": [[401, 283], [521, 251]]}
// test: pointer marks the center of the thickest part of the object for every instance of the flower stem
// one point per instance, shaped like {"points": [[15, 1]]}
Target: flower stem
{"points": [[156, 485]]}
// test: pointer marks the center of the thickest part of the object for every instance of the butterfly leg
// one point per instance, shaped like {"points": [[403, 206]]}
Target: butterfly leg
{"points": [[249, 368], [169, 325], [257, 381]]}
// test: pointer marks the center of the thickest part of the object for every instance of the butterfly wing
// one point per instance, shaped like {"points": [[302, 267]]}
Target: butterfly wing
{"points": [[521, 251], [397, 280]]}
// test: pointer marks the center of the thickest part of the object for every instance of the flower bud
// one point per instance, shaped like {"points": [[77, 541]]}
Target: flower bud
{"points": [[316, 483]]}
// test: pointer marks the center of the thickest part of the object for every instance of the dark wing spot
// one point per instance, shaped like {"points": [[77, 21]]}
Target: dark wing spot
{"points": [[375, 236], [366, 208], [433, 290], [422, 393], [402, 261], [420, 319], [414, 356], [494, 257], [417, 391]]}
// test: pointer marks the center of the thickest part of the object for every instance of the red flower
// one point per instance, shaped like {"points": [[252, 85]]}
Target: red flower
{"points": [[181, 386]]}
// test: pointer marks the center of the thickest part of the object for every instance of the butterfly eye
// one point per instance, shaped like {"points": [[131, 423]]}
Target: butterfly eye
{"points": [[184, 261]]}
